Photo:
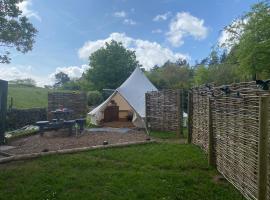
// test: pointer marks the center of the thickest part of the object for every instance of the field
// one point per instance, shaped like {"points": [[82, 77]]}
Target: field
{"points": [[152, 171], [28, 97]]}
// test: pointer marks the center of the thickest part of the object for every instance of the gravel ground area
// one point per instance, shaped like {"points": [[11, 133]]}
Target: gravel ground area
{"points": [[52, 141]]}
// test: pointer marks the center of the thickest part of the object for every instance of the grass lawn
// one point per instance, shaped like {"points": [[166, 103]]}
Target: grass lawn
{"points": [[167, 134], [152, 171], [28, 97]]}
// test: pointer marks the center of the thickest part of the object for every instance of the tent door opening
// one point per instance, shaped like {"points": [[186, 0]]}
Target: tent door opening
{"points": [[111, 113]]}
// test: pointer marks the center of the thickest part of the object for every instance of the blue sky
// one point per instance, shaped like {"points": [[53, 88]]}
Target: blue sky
{"points": [[69, 31]]}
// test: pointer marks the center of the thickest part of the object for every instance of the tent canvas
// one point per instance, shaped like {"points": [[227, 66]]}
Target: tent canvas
{"points": [[130, 94]]}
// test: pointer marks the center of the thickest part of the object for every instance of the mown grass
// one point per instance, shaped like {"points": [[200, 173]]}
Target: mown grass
{"points": [[167, 134], [153, 171], [28, 97]]}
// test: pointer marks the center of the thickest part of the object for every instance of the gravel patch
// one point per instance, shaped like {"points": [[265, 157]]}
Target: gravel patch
{"points": [[52, 141]]}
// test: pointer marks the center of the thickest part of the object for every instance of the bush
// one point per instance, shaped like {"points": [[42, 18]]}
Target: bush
{"points": [[94, 98]]}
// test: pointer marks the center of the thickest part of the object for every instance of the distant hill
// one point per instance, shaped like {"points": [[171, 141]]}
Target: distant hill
{"points": [[28, 97]]}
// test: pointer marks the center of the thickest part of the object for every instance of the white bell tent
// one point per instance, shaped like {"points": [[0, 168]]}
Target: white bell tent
{"points": [[129, 97]]}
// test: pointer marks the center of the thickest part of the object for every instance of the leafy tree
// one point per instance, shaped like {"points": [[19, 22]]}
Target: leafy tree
{"points": [[201, 75], [61, 78], [213, 58], [15, 30], [71, 85], [171, 75], [252, 45], [110, 66], [94, 98], [78, 84]]}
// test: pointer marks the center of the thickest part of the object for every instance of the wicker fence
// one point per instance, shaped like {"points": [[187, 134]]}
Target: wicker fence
{"points": [[164, 110], [229, 124], [75, 101]]}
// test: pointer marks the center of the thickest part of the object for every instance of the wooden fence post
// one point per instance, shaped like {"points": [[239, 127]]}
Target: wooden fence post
{"points": [[211, 150], [146, 110], [178, 102], [190, 112], [3, 109], [263, 148], [181, 111]]}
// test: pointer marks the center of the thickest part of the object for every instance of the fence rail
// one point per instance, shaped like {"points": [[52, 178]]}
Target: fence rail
{"points": [[231, 124]]}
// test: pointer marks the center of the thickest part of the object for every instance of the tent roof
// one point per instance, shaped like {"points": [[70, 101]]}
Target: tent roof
{"points": [[133, 91]]}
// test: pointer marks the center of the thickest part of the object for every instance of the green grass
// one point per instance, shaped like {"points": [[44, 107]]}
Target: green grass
{"points": [[166, 134], [163, 134], [153, 171], [28, 97]]}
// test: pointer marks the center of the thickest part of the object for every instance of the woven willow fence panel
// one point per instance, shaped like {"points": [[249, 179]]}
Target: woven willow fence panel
{"points": [[235, 125], [77, 102], [200, 120], [163, 110]]}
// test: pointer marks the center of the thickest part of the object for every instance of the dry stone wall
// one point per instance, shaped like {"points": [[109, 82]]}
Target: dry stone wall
{"points": [[18, 118]]}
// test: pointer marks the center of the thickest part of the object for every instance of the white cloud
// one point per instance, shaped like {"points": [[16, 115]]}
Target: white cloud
{"points": [[157, 31], [162, 17], [24, 6], [183, 25], [147, 53], [226, 39], [129, 22], [11, 72], [120, 14], [71, 71]]}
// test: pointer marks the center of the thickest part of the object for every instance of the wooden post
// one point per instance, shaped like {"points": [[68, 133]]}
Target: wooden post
{"points": [[182, 112], [211, 150], [190, 117], [178, 102], [3, 109], [263, 148], [146, 113]]}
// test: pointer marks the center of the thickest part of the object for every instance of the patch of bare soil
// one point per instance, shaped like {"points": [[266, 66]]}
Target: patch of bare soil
{"points": [[219, 179], [52, 141]]}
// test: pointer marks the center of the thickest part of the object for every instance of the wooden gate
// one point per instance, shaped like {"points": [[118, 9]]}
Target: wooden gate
{"points": [[3, 108]]}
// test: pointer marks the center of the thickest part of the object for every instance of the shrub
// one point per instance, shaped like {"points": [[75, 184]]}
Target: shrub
{"points": [[94, 98]]}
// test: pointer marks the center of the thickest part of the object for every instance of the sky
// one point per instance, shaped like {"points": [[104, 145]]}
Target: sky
{"points": [[158, 30]]}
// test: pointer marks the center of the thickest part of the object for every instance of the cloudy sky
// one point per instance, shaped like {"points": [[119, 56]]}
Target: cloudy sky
{"points": [[158, 30]]}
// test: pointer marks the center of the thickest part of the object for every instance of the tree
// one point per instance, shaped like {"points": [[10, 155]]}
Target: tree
{"points": [[61, 78], [213, 58], [110, 66], [176, 75], [201, 75], [252, 44], [15, 30], [94, 98]]}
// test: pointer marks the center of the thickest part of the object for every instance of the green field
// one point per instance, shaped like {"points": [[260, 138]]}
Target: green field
{"points": [[152, 171], [28, 97]]}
